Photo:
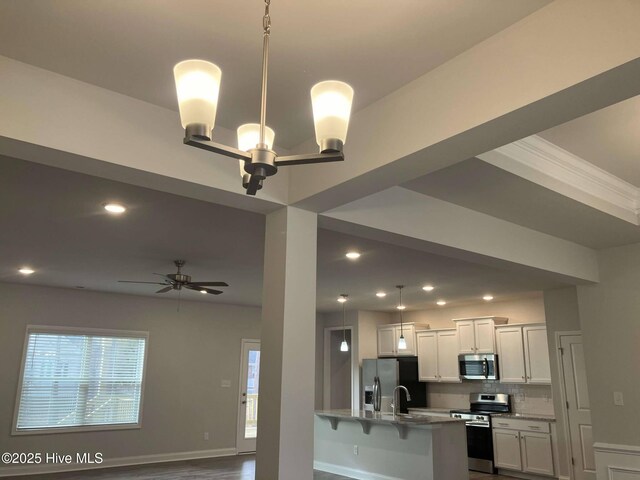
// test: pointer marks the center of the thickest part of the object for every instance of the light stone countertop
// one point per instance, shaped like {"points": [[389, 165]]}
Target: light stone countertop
{"points": [[426, 410], [386, 418], [526, 416]]}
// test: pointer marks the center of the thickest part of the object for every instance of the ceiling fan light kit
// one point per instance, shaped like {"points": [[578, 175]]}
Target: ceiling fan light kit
{"points": [[198, 88]]}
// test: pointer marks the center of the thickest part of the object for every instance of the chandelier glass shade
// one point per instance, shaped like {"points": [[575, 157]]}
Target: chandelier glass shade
{"points": [[198, 89]]}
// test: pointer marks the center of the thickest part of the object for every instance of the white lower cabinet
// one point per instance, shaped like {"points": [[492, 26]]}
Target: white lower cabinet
{"points": [[506, 449], [524, 446], [537, 453]]}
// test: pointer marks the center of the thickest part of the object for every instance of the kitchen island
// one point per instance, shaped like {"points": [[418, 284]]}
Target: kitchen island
{"points": [[381, 446]]}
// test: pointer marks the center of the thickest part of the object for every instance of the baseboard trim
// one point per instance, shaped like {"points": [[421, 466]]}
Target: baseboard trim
{"points": [[15, 471], [350, 472]]}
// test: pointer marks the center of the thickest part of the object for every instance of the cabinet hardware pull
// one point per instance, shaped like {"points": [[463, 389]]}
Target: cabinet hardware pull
{"points": [[534, 427]]}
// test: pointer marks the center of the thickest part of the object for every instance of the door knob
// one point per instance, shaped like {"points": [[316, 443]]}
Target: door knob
{"points": [[244, 402]]}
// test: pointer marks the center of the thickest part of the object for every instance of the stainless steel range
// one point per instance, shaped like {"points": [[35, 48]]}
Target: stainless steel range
{"points": [[478, 422]]}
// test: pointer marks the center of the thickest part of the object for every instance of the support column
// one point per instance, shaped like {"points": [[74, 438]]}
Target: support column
{"points": [[287, 364]]}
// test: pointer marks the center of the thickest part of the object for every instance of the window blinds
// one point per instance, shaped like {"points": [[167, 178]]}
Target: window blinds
{"points": [[73, 380]]}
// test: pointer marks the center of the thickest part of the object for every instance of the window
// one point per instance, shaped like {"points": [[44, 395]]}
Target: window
{"points": [[80, 380]]}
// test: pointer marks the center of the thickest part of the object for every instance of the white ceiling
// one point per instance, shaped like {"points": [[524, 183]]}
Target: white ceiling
{"points": [[607, 138], [53, 220], [488, 189], [131, 46]]}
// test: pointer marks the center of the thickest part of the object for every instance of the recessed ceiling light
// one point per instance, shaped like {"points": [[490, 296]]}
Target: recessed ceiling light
{"points": [[487, 298], [428, 288], [26, 271], [401, 307], [203, 292], [115, 208], [381, 294], [353, 255], [342, 298], [441, 302]]}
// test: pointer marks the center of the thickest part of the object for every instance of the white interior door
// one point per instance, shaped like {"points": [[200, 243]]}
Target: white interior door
{"points": [[578, 407], [248, 397]]}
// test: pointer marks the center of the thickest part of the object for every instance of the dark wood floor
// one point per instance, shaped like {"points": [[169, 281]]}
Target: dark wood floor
{"points": [[227, 468]]}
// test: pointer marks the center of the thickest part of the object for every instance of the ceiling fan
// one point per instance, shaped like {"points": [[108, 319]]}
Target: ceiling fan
{"points": [[178, 280]]}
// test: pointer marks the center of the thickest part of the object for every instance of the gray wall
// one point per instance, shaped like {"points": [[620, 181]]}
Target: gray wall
{"points": [[189, 354], [340, 371], [561, 310], [610, 318]]}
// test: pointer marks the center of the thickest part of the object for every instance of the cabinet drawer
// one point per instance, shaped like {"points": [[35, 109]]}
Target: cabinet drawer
{"points": [[522, 425]]}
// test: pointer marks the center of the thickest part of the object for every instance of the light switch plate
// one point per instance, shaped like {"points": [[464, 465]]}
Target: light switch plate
{"points": [[618, 399], [225, 383]]}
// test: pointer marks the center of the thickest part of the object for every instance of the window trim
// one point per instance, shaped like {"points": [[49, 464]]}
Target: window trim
{"points": [[79, 331]]}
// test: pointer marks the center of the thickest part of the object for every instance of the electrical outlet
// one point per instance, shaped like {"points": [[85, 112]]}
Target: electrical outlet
{"points": [[225, 383], [206, 435], [355, 449], [519, 397], [618, 399]]}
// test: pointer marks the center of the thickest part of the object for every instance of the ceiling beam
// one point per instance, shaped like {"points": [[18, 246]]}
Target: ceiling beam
{"points": [[563, 61], [58, 121], [406, 218]]}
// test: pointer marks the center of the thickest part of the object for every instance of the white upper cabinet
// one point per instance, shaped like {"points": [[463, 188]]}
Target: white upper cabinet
{"points": [[427, 356], [511, 354], [389, 335], [536, 352], [438, 356], [448, 370], [466, 336], [477, 335], [523, 354], [387, 341]]}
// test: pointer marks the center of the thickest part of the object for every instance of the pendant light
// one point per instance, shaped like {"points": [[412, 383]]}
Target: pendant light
{"points": [[402, 343], [344, 346], [198, 89]]}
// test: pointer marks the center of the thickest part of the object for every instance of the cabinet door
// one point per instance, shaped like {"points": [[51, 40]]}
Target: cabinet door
{"points": [[510, 355], [537, 354], [485, 336], [409, 332], [448, 369], [506, 449], [428, 356], [386, 342], [466, 336], [537, 454]]}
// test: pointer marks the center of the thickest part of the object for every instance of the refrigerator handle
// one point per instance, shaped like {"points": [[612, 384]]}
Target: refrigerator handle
{"points": [[377, 394]]}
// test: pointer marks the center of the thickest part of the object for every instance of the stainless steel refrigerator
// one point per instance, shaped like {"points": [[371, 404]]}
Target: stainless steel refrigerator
{"points": [[380, 376]]}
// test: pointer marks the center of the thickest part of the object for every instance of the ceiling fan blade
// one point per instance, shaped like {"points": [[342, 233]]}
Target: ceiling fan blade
{"points": [[165, 289], [200, 289], [133, 281], [210, 284], [164, 276]]}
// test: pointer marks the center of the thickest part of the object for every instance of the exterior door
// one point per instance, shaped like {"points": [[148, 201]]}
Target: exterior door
{"points": [[248, 397], [579, 409]]}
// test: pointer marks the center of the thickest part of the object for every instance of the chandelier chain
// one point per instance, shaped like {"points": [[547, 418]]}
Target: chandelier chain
{"points": [[266, 25], [266, 20]]}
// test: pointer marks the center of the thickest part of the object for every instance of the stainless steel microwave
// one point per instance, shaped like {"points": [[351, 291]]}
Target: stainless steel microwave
{"points": [[479, 367]]}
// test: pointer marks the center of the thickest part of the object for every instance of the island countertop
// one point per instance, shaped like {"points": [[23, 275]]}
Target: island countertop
{"points": [[386, 418]]}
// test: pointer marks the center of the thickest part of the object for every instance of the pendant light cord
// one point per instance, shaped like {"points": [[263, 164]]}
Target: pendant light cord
{"points": [[266, 25], [401, 330], [344, 334]]}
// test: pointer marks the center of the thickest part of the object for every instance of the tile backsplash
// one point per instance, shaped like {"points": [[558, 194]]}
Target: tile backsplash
{"points": [[524, 398]]}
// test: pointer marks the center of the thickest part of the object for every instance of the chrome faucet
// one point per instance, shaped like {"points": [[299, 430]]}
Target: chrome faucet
{"points": [[394, 404]]}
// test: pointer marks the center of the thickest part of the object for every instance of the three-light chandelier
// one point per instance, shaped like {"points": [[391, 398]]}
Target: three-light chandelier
{"points": [[198, 86]]}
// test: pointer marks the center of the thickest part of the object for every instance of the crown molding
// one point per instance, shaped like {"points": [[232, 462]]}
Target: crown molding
{"points": [[546, 164]]}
